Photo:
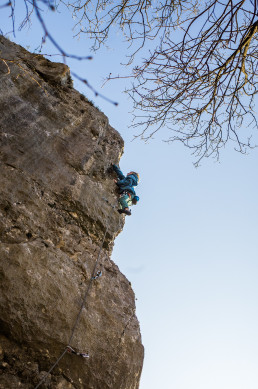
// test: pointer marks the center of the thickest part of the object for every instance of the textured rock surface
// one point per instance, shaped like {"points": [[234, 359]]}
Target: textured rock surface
{"points": [[56, 150]]}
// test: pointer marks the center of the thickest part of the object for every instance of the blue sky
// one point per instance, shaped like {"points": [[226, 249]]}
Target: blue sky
{"points": [[190, 246]]}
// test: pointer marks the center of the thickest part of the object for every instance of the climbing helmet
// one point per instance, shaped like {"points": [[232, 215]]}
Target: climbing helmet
{"points": [[136, 174]]}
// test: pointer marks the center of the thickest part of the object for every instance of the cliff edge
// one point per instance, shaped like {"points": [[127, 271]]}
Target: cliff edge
{"points": [[56, 194]]}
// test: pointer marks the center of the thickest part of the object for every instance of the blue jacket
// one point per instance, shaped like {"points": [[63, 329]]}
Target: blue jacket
{"points": [[126, 183]]}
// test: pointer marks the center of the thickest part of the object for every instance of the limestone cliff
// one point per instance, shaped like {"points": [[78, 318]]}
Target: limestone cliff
{"points": [[56, 149]]}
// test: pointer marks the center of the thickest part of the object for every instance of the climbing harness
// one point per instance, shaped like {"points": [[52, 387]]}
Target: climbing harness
{"points": [[98, 274], [71, 350], [93, 277], [126, 192]]}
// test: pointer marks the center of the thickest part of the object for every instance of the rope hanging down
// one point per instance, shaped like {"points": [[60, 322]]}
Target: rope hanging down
{"points": [[94, 276]]}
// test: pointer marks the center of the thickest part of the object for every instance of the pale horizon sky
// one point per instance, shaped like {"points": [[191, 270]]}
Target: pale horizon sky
{"points": [[190, 247]]}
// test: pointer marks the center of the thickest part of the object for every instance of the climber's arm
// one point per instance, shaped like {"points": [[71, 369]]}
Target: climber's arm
{"points": [[118, 172]]}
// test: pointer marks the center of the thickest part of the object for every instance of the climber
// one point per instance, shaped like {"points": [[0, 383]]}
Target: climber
{"points": [[126, 190]]}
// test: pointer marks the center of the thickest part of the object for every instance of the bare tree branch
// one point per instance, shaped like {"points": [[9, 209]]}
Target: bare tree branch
{"points": [[32, 6], [200, 77]]}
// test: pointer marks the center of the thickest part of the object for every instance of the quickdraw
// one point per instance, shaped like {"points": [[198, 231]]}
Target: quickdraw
{"points": [[98, 274], [72, 351]]}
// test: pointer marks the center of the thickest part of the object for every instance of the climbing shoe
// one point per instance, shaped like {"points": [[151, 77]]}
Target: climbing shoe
{"points": [[126, 211]]}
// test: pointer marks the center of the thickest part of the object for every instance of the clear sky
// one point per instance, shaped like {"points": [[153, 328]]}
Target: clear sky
{"points": [[190, 246]]}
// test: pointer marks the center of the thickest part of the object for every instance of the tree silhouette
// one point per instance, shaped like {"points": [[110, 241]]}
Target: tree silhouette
{"points": [[199, 79]]}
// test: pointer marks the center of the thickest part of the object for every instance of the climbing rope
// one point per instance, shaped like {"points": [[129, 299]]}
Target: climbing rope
{"points": [[94, 276]]}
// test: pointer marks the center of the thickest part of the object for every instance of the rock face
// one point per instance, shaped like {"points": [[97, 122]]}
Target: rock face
{"points": [[56, 150]]}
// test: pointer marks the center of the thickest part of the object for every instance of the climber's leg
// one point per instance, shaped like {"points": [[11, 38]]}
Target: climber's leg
{"points": [[123, 201], [125, 210]]}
